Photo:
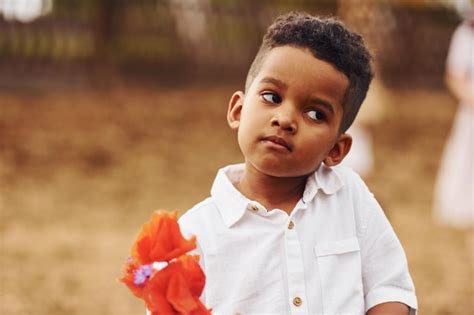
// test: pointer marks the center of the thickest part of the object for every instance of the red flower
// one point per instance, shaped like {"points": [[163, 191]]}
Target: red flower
{"points": [[160, 239], [176, 288]]}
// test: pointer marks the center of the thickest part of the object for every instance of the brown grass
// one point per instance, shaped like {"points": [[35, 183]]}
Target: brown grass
{"points": [[80, 171]]}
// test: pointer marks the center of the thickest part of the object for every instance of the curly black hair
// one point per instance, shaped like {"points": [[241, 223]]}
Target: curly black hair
{"points": [[329, 40]]}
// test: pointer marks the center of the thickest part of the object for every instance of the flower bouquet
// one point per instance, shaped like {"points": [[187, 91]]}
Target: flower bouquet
{"points": [[161, 273]]}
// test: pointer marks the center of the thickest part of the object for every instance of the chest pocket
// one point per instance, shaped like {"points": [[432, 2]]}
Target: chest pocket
{"points": [[340, 272]]}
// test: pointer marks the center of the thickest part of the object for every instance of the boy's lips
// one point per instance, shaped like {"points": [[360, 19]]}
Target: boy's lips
{"points": [[278, 141]]}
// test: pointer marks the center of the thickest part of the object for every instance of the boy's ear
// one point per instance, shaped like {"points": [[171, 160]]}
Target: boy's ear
{"points": [[235, 109], [339, 151]]}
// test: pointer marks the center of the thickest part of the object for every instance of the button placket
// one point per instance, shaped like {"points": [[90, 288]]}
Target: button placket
{"points": [[295, 272]]}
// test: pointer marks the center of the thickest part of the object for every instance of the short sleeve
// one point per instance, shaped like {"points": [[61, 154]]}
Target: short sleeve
{"points": [[384, 265], [186, 228]]}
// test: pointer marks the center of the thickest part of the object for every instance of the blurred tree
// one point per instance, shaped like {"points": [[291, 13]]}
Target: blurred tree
{"points": [[192, 20], [409, 38], [107, 28]]}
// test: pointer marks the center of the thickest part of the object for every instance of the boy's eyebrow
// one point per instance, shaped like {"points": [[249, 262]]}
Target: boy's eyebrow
{"points": [[327, 105], [274, 81]]}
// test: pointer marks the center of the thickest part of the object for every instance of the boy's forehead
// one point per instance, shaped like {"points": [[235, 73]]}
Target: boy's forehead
{"points": [[295, 57]]}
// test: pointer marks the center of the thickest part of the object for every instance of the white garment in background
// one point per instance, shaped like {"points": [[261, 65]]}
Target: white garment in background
{"points": [[361, 156], [335, 254], [25, 10], [454, 190]]}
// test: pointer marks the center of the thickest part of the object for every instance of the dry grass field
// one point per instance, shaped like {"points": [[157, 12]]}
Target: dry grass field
{"points": [[81, 170]]}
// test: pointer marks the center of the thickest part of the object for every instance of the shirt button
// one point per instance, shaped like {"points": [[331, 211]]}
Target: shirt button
{"points": [[254, 208], [297, 301], [291, 225]]}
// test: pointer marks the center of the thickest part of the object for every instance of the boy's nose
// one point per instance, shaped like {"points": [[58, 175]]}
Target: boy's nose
{"points": [[285, 121]]}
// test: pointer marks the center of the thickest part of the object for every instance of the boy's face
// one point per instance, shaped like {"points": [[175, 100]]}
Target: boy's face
{"points": [[288, 122]]}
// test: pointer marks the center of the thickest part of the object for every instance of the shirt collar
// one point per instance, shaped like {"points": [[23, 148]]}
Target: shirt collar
{"points": [[328, 180], [232, 204]]}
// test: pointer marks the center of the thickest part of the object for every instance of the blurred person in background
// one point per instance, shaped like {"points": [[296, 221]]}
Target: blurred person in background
{"points": [[361, 156], [454, 190]]}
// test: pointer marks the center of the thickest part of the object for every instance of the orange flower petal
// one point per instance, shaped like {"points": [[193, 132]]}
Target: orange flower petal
{"points": [[181, 283], [161, 306], [155, 292], [179, 294], [161, 240], [193, 273]]}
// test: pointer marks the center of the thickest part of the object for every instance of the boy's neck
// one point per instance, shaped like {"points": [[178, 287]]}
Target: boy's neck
{"points": [[272, 192]]}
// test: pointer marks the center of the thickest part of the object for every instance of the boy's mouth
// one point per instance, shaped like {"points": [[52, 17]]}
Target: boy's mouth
{"points": [[278, 141]]}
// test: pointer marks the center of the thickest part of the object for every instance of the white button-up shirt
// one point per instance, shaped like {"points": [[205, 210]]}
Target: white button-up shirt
{"points": [[335, 254]]}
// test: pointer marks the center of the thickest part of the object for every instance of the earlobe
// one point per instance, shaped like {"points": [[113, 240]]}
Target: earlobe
{"points": [[235, 108], [339, 151]]}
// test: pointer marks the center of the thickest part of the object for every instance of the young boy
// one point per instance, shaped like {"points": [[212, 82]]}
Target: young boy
{"points": [[287, 232]]}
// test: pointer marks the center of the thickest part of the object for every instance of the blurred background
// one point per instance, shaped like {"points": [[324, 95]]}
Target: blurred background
{"points": [[110, 109]]}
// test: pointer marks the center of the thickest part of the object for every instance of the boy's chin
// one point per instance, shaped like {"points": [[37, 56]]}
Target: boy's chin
{"points": [[284, 171]]}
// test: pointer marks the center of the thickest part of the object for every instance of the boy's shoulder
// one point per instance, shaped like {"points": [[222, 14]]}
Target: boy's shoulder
{"points": [[199, 216], [344, 172], [354, 186], [198, 209], [345, 177], [355, 195]]}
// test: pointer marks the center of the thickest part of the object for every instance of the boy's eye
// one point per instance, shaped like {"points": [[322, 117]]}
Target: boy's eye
{"points": [[316, 115], [271, 97]]}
